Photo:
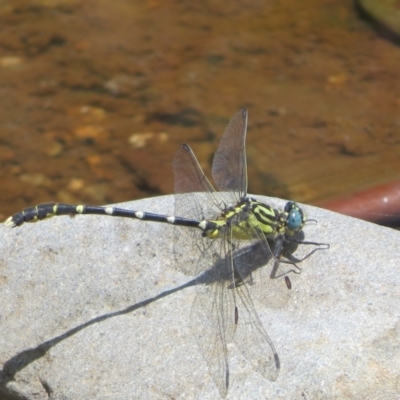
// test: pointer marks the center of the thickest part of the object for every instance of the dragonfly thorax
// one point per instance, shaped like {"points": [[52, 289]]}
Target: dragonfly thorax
{"points": [[251, 214]]}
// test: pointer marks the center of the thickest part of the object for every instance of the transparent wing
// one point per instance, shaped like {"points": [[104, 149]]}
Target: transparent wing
{"points": [[194, 198], [229, 169], [212, 317], [256, 265], [214, 310], [212, 346], [220, 292], [252, 339], [189, 177]]}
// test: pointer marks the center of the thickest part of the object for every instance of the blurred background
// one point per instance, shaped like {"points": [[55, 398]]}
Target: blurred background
{"points": [[97, 95]]}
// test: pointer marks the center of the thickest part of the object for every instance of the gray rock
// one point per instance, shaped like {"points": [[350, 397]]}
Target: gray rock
{"points": [[94, 308]]}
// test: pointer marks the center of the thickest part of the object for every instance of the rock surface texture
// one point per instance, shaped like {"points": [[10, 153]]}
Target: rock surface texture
{"points": [[95, 308]]}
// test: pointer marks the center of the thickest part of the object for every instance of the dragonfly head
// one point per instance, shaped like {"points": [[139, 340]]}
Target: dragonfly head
{"points": [[295, 218]]}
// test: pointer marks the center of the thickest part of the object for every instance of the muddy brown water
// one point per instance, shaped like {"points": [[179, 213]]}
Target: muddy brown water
{"points": [[96, 96]]}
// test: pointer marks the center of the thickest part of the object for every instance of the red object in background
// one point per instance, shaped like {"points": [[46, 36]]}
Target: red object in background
{"points": [[379, 204]]}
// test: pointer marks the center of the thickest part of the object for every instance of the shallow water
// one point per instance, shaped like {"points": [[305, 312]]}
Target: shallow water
{"points": [[96, 96]]}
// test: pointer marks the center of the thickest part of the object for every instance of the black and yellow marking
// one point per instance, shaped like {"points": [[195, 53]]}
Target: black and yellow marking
{"points": [[270, 221], [49, 210]]}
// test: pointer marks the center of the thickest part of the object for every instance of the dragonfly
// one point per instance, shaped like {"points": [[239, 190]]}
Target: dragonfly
{"points": [[232, 242]]}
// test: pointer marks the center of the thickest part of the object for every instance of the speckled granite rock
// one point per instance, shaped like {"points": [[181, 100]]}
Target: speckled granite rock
{"points": [[93, 308]]}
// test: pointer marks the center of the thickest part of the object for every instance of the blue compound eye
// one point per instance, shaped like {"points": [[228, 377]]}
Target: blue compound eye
{"points": [[288, 206], [294, 220]]}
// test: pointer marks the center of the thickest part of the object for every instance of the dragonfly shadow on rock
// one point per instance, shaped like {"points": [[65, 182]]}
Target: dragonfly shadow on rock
{"points": [[236, 310], [223, 310], [248, 262], [24, 358]]}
